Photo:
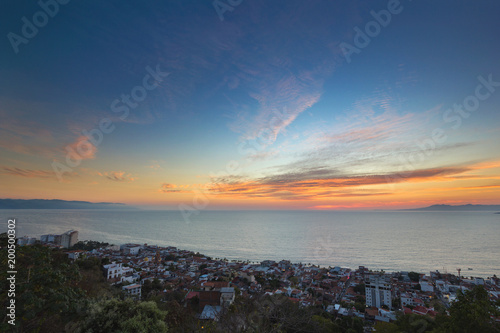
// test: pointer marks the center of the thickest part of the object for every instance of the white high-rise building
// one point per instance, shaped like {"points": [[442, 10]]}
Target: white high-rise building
{"points": [[69, 238], [378, 291]]}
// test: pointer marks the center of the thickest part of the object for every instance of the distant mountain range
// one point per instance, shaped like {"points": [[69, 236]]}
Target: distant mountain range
{"points": [[467, 207], [58, 204]]}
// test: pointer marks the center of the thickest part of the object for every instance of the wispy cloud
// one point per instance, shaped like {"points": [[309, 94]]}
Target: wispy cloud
{"points": [[28, 173], [325, 183], [172, 188], [118, 176]]}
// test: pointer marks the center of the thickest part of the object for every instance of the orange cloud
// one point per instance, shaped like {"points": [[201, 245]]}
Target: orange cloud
{"points": [[117, 176], [28, 173], [486, 165], [306, 185], [85, 149], [172, 188]]}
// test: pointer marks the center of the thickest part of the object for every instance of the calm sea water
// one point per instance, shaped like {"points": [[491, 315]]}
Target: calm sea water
{"points": [[393, 241]]}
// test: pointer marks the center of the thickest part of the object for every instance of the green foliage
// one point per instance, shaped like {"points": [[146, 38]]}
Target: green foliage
{"points": [[383, 327], [472, 312], [4, 239], [55, 295], [93, 281], [360, 289], [88, 245], [294, 280], [273, 283], [360, 307], [122, 316], [151, 287], [414, 276], [47, 293], [413, 323], [396, 303], [278, 314]]}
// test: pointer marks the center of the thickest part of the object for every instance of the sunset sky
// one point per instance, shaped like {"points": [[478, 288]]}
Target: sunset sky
{"points": [[257, 105]]}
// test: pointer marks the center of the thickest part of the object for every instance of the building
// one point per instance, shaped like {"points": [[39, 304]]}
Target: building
{"points": [[113, 271], [26, 240], [133, 290], [378, 291], [426, 286], [226, 296], [209, 298], [132, 249], [74, 254], [408, 299], [69, 238], [51, 238], [210, 312], [267, 263]]}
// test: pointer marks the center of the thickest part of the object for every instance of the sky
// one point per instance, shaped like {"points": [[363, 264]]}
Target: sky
{"points": [[239, 104]]}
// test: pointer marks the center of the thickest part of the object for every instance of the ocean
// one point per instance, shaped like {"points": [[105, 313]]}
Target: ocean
{"points": [[389, 240]]}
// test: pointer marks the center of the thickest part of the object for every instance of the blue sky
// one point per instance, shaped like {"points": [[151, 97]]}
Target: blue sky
{"points": [[268, 87]]}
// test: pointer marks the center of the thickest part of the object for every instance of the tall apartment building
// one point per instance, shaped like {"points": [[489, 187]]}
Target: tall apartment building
{"points": [[51, 238], [69, 238], [378, 291]]}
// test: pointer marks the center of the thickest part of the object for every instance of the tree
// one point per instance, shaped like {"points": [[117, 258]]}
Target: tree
{"points": [[472, 312], [396, 303], [47, 291], [414, 276], [360, 306], [88, 245], [122, 316], [383, 327], [412, 323], [360, 288]]}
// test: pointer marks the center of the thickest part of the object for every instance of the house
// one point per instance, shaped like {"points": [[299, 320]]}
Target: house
{"points": [[113, 271], [210, 312], [267, 263], [247, 275], [226, 296], [214, 285], [133, 290], [425, 286], [74, 254], [478, 281], [132, 249], [209, 298]]}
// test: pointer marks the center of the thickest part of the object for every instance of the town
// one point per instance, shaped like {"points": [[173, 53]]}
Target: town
{"points": [[213, 283]]}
